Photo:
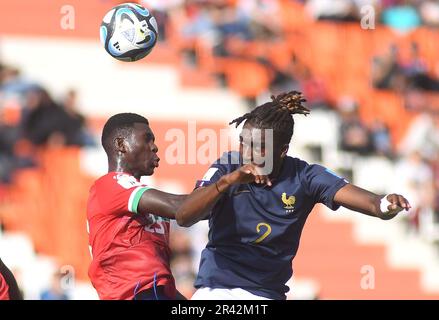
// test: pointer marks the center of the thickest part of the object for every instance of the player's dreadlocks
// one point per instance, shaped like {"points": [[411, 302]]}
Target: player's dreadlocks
{"points": [[277, 115]]}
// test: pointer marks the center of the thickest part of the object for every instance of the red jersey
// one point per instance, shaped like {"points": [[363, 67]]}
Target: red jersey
{"points": [[129, 254], [4, 288]]}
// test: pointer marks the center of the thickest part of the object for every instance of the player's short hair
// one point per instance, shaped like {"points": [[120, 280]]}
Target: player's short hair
{"points": [[277, 115], [121, 123]]}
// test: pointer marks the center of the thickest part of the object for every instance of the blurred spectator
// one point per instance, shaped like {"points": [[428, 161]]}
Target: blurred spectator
{"points": [[354, 135], [336, 10], [391, 72], [257, 14], [227, 22], [429, 11], [422, 136], [46, 122], [414, 178], [184, 274], [415, 100], [282, 81], [386, 72], [417, 73], [80, 135], [314, 90], [9, 159], [258, 10], [159, 10], [7, 163], [11, 82], [196, 25], [381, 139], [415, 65], [182, 263], [55, 292], [198, 21], [180, 242]]}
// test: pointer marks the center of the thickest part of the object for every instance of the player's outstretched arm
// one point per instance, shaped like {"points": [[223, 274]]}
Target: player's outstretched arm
{"points": [[200, 202], [160, 203], [366, 202]]}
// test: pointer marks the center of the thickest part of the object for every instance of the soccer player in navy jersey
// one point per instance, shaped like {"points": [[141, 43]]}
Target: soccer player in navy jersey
{"points": [[257, 209]]}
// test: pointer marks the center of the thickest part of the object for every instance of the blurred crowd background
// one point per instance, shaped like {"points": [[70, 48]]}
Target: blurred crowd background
{"points": [[368, 69]]}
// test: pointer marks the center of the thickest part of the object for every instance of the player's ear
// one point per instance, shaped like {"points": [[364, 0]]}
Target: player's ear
{"points": [[119, 144], [284, 150]]}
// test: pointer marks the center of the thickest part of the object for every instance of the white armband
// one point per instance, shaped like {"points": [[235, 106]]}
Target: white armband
{"points": [[384, 207], [384, 204]]}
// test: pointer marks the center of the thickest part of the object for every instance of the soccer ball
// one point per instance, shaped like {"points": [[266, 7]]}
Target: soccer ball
{"points": [[128, 32]]}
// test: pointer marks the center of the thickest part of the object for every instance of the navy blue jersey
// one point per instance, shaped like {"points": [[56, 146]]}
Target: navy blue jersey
{"points": [[255, 230]]}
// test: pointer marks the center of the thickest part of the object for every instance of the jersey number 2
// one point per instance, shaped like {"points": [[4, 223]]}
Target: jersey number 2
{"points": [[265, 234]]}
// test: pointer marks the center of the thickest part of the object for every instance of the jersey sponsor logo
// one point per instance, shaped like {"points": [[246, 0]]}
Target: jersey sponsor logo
{"points": [[288, 202], [209, 174], [127, 181]]}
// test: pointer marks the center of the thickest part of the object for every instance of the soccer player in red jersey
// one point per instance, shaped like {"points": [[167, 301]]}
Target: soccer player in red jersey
{"points": [[128, 221], [8, 285]]}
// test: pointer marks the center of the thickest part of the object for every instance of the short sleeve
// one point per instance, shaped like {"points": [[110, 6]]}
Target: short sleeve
{"points": [[322, 185], [212, 175], [227, 163], [120, 193]]}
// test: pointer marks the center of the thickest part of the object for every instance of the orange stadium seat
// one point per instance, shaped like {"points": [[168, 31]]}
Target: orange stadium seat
{"points": [[279, 54], [323, 47], [389, 108], [427, 40], [49, 204], [293, 16], [247, 78]]}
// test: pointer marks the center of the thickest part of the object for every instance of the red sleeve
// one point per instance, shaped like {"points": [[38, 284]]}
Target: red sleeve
{"points": [[4, 289], [120, 193]]}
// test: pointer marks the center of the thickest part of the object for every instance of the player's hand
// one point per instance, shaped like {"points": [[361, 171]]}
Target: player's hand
{"points": [[247, 174], [395, 204]]}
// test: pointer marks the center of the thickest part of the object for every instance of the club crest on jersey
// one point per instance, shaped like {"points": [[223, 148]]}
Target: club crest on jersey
{"points": [[127, 181], [288, 202]]}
